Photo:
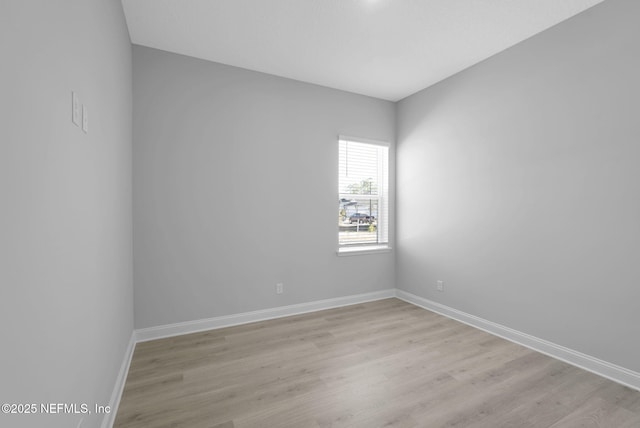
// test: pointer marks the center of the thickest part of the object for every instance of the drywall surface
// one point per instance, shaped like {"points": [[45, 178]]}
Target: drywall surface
{"points": [[66, 293], [235, 190], [518, 186]]}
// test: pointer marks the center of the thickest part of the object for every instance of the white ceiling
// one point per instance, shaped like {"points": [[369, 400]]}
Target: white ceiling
{"points": [[387, 49]]}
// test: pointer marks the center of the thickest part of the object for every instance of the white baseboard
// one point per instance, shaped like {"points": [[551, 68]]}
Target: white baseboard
{"points": [[114, 402], [602, 368], [168, 330]]}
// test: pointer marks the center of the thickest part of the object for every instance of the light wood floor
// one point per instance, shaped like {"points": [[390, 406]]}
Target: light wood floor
{"points": [[384, 363]]}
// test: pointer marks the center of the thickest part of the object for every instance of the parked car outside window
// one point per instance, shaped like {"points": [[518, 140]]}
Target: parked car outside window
{"points": [[361, 218]]}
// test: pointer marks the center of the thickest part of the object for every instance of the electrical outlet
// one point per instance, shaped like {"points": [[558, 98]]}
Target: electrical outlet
{"points": [[440, 286], [279, 288]]}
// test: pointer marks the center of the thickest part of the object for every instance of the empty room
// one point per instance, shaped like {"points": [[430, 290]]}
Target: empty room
{"points": [[320, 213]]}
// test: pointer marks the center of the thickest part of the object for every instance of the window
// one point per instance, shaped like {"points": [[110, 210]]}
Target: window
{"points": [[363, 195]]}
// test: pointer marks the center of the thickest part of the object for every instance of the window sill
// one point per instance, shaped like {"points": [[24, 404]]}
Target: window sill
{"points": [[358, 251]]}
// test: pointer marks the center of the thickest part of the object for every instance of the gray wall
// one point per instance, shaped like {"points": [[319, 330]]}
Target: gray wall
{"points": [[235, 189], [66, 296], [519, 186]]}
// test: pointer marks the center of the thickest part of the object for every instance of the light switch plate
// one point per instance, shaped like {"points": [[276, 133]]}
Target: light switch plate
{"points": [[85, 118], [75, 109]]}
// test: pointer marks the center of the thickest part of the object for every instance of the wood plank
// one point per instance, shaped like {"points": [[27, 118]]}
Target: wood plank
{"points": [[383, 363]]}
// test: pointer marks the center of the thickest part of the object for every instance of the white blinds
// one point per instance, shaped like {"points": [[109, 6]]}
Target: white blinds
{"points": [[363, 192]]}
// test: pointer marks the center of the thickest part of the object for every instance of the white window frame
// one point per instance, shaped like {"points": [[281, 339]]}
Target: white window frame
{"points": [[383, 223]]}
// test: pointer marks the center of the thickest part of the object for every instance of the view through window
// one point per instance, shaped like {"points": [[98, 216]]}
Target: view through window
{"points": [[362, 193]]}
